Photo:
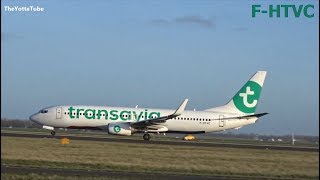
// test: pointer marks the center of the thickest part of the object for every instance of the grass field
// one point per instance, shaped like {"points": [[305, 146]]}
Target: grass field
{"points": [[157, 158], [33, 176]]}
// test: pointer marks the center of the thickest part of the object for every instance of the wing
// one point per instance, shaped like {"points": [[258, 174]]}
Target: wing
{"points": [[159, 120]]}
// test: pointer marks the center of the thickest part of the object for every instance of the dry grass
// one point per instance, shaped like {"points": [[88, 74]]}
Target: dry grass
{"points": [[8, 176], [160, 158]]}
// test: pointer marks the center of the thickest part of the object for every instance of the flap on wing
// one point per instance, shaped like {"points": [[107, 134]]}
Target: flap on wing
{"points": [[162, 119]]}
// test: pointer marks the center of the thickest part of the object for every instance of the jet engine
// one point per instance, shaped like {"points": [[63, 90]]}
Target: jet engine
{"points": [[120, 129]]}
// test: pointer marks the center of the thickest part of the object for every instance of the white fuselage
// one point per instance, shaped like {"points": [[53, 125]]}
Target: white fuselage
{"points": [[238, 112], [101, 116]]}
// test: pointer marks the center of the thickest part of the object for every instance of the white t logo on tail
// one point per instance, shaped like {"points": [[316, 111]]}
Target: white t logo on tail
{"points": [[245, 98]]}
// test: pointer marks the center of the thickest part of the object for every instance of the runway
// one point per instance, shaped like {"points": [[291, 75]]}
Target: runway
{"points": [[165, 142]]}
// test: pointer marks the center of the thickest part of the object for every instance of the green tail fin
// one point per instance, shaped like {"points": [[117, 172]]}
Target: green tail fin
{"points": [[246, 99]]}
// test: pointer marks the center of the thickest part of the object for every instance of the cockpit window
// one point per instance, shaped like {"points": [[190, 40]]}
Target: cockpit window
{"points": [[43, 111]]}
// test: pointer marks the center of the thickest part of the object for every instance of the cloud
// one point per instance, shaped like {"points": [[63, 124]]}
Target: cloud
{"points": [[186, 20], [159, 21], [196, 20]]}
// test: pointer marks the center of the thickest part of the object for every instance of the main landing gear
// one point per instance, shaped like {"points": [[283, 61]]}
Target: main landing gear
{"points": [[53, 133], [146, 137]]}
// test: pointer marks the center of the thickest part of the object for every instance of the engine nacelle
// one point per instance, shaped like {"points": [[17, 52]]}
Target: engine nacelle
{"points": [[120, 129]]}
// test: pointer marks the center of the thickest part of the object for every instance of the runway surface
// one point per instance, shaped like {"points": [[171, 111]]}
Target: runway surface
{"points": [[172, 142]]}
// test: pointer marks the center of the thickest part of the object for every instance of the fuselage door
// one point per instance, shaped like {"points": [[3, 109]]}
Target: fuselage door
{"points": [[59, 112], [221, 121]]}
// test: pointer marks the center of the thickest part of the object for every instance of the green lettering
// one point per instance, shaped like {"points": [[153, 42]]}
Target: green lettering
{"points": [[114, 115], [254, 10], [70, 112], [271, 10], [305, 11], [78, 112], [105, 113], [93, 113], [145, 113], [297, 13], [135, 115], [286, 9], [154, 113], [122, 113]]}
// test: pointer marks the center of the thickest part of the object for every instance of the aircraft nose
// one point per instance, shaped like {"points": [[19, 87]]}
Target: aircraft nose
{"points": [[34, 118]]}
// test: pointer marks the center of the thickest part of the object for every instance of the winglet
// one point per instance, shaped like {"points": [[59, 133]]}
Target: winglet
{"points": [[181, 108]]}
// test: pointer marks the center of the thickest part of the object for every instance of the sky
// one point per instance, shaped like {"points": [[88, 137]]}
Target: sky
{"points": [[156, 53]]}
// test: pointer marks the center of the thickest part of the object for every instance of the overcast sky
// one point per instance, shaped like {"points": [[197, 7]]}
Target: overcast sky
{"points": [[156, 53]]}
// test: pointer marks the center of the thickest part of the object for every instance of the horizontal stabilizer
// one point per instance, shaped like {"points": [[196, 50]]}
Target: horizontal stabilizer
{"points": [[248, 116], [255, 115]]}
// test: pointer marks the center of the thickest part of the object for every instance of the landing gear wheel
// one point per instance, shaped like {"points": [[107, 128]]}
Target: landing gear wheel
{"points": [[146, 137], [53, 133]]}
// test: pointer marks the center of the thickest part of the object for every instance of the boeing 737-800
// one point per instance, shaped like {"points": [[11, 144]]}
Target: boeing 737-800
{"points": [[238, 112]]}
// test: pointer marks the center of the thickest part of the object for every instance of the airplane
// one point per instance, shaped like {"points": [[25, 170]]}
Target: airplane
{"points": [[238, 112]]}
